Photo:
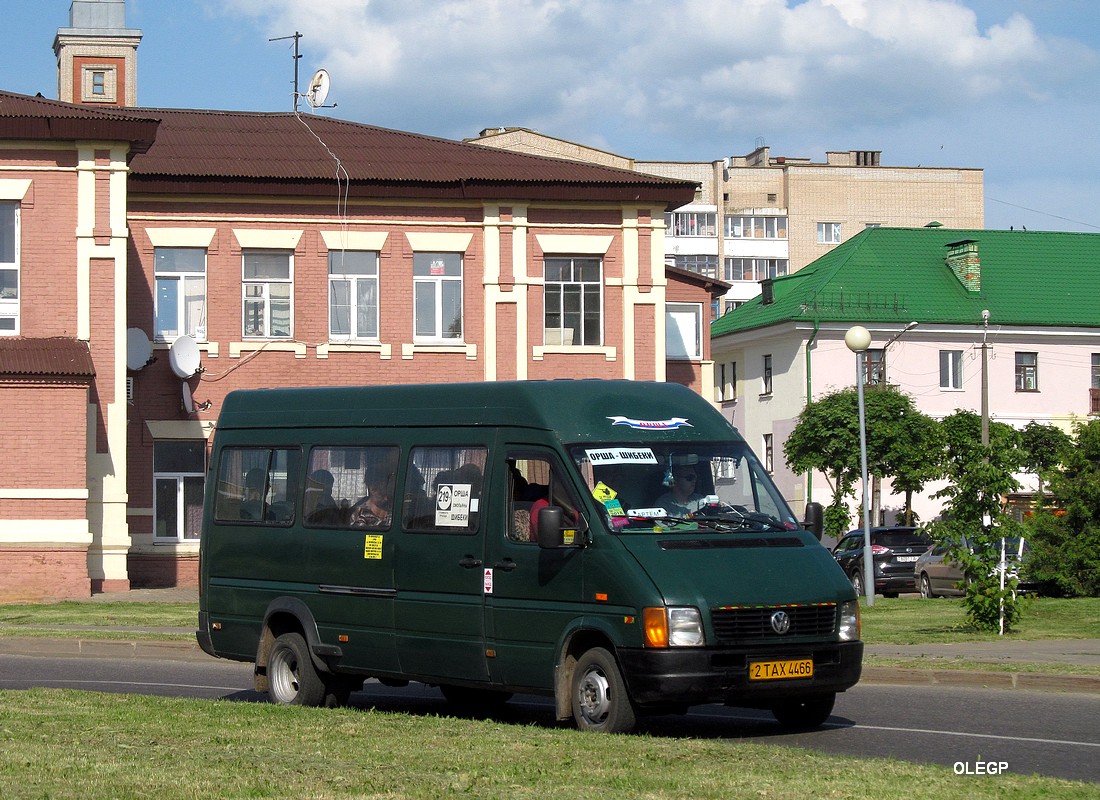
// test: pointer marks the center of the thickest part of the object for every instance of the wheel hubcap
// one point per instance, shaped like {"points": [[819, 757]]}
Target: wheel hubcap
{"points": [[594, 696]]}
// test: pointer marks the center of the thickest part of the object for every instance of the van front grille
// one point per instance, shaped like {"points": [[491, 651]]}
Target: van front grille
{"points": [[738, 623]]}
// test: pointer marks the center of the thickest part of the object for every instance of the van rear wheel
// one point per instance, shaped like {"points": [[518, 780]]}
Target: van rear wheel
{"points": [[292, 679], [599, 699]]}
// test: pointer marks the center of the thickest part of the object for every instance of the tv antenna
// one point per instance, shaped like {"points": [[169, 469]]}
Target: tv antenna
{"points": [[318, 84]]}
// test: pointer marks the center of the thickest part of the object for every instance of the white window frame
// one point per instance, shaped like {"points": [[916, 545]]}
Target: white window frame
{"points": [[745, 226], [556, 304], [951, 375], [684, 331], [182, 480], [757, 269], [767, 376], [364, 276], [185, 323], [691, 224], [263, 286], [828, 233], [701, 263], [767, 450], [440, 286], [9, 262]]}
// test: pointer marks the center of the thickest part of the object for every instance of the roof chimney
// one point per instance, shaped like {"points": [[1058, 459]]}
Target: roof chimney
{"points": [[97, 55], [963, 260]]}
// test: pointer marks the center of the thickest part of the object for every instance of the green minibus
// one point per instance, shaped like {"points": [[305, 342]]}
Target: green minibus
{"points": [[612, 544]]}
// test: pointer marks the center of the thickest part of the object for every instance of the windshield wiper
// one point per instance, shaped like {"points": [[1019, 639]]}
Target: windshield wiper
{"points": [[751, 520]]}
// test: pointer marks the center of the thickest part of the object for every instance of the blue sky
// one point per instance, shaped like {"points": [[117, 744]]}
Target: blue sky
{"points": [[1010, 86]]}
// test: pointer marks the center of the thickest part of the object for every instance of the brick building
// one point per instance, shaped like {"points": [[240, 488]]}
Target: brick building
{"points": [[154, 260]]}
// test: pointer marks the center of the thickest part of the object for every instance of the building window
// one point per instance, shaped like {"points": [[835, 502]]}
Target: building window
{"points": [[951, 376], [768, 452], [755, 269], [828, 233], [352, 294], [730, 305], [874, 367], [684, 331], [437, 297], [1096, 370], [178, 470], [574, 301], [180, 302], [99, 83], [9, 269], [727, 381], [756, 227], [698, 262], [692, 223], [1027, 372], [766, 387], [267, 286]]}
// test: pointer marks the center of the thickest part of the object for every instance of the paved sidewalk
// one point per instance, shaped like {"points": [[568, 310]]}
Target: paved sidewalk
{"points": [[1003, 654]]}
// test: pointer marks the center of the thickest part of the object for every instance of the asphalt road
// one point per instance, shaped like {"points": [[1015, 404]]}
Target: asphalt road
{"points": [[958, 728]]}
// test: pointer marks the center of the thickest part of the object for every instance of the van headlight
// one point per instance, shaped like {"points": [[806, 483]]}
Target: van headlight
{"points": [[673, 626], [849, 621]]}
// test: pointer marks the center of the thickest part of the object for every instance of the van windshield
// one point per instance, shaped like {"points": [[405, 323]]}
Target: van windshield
{"points": [[669, 486]]}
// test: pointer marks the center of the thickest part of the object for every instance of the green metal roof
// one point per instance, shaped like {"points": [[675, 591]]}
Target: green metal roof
{"points": [[1032, 278]]}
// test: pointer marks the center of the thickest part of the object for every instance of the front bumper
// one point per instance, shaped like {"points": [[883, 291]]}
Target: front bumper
{"points": [[684, 677]]}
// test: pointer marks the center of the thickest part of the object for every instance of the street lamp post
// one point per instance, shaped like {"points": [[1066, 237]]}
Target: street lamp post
{"points": [[858, 339]]}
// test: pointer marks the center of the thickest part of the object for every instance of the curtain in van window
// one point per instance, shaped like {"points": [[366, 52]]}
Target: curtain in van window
{"points": [[443, 489], [256, 485], [350, 487]]}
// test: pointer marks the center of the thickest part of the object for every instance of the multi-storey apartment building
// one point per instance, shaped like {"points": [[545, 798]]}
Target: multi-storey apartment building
{"points": [[759, 216]]}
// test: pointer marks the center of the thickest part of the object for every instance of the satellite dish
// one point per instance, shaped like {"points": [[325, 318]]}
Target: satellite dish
{"points": [[183, 356], [317, 92], [138, 349]]}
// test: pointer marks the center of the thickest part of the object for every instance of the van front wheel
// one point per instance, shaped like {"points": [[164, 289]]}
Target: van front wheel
{"points": [[292, 680], [599, 698]]}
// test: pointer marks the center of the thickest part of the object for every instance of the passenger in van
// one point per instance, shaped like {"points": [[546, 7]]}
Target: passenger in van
{"points": [[681, 500], [320, 506], [376, 508], [252, 503]]}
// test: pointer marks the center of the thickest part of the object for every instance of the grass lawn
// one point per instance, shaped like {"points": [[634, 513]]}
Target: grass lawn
{"points": [[90, 745]]}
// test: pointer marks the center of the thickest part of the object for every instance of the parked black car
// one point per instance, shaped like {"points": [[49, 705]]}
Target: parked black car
{"points": [[894, 551]]}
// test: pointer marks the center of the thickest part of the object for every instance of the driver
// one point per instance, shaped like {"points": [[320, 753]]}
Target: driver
{"points": [[681, 500]]}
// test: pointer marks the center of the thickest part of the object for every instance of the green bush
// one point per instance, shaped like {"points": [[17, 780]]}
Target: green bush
{"points": [[1062, 562]]}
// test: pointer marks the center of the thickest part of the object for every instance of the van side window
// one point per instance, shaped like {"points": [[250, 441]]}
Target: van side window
{"points": [[533, 484], [443, 489], [257, 485], [350, 487]]}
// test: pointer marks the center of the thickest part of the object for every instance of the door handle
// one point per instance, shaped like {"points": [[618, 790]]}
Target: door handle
{"points": [[507, 565], [469, 562]]}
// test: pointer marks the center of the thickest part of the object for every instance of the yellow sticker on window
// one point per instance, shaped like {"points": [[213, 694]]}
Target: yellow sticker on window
{"points": [[372, 546]]}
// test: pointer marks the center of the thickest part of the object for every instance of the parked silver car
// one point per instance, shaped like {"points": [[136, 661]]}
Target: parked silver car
{"points": [[936, 576]]}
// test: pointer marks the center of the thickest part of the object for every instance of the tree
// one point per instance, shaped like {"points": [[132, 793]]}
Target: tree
{"points": [[826, 438], [1065, 538], [978, 477], [1043, 447]]}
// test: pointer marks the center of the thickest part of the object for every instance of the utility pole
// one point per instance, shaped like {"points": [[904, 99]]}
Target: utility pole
{"points": [[985, 382]]}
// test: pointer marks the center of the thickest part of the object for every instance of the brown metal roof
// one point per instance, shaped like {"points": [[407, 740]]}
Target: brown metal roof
{"points": [[58, 357], [287, 153], [36, 118]]}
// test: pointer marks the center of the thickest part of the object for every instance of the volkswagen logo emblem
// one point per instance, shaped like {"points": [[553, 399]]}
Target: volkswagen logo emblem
{"points": [[781, 622]]}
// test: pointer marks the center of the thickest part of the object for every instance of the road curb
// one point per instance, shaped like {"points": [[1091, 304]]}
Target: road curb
{"points": [[977, 679]]}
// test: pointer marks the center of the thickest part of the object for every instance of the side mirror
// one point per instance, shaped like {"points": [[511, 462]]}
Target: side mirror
{"points": [[549, 528], [814, 520]]}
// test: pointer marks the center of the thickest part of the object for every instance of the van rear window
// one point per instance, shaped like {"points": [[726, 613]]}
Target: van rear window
{"points": [[257, 485]]}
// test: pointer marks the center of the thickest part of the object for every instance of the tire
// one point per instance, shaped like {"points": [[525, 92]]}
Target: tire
{"points": [[475, 701], [926, 587], [292, 679], [857, 583], [807, 713], [598, 694]]}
